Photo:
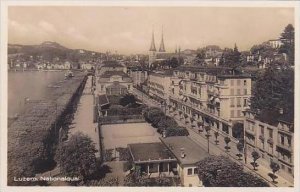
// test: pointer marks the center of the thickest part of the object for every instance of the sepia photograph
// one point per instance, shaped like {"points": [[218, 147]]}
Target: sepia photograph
{"points": [[150, 95]]}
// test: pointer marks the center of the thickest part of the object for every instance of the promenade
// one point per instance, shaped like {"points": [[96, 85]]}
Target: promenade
{"points": [[83, 118], [218, 149]]}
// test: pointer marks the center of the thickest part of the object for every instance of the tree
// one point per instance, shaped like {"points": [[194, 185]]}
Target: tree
{"points": [[220, 171], [240, 148], [275, 167], [77, 156], [200, 126], [216, 136], [227, 141], [230, 57], [173, 62], [274, 89], [288, 40], [255, 156], [200, 57], [128, 99]]}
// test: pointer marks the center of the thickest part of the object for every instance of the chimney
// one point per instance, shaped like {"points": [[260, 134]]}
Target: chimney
{"points": [[182, 153]]}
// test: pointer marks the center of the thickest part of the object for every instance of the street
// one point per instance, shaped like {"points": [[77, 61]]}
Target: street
{"points": [[218, 149]]}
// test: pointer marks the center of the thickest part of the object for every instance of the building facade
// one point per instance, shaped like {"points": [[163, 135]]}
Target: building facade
{"points": [[272, 137], [159, 84], [139, 76], [211, 96], [112, 79]]}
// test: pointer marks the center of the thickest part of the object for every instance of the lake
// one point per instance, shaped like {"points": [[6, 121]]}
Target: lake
{"points": [[29, 84]]}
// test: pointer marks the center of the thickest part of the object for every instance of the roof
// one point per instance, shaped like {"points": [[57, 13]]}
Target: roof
{"points": [[108, 74], [194, 153], [272, 116], [150, 152], [111, 64], [222, 72]]}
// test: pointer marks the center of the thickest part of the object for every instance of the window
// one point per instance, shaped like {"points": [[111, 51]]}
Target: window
{"points": [[290, 170], [282, 140], [232, 102], [195, 171], [231, 91], [232, 113], [282, 167], [245, 82], [245, 102], [262, 131], [238, 101], [270, 133], [190, 171], [238, 92], [245, 91], [238, 113], [238, 82], [289, 141], [128, 86], [232, 82]]}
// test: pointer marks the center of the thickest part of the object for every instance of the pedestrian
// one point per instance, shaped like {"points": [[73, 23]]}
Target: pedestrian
{"points": [[95, 129]]}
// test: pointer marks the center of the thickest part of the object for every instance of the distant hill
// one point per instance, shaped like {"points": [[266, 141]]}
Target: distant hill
{"points": [[50, 50]]}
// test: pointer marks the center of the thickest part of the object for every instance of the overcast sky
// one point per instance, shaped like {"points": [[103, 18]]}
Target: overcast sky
{"points": [[128, 30]]}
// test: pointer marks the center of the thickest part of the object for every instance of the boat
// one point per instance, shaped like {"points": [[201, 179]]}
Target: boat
{"points": [[69, 74]]}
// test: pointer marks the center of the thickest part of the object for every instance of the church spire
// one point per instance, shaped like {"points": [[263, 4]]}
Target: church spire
{"points": [[152, 47], [162, 44]]}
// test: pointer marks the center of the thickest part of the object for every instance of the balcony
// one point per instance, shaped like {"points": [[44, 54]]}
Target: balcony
{"points": [[286, 147], [200, 109]]}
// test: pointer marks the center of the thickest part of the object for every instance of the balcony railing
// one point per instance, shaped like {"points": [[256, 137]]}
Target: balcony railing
{"points": [[287, 147]]}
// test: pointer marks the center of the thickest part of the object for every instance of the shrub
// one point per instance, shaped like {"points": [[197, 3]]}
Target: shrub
{"points": [[178, 131]]}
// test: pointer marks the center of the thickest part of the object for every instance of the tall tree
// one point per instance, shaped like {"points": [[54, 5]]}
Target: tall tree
{"points": [[76, 157], [274, 89], [288, 39]]}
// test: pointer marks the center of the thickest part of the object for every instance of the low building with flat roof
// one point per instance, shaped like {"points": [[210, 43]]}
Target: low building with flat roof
{"points": [[152, 159], [188, 154]]}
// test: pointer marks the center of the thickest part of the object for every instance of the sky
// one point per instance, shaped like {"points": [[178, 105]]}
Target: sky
{"points": [[128, 30]]}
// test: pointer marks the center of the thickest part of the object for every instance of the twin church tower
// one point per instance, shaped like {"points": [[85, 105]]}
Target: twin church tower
{"points": [[153, 52]]}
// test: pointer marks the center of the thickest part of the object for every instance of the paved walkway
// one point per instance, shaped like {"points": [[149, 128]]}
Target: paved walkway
{"points": [[83, 118], [219, 149]]}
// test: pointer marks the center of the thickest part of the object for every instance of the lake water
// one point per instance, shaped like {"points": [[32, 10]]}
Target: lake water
{"points": [[28, 84]]}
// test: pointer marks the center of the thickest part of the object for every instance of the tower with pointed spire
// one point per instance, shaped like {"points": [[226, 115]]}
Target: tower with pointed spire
{"points": [[152, 51], [162, 44]]}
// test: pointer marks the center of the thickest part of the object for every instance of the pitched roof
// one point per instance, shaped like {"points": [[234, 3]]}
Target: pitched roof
{"points": [[193, 152]]}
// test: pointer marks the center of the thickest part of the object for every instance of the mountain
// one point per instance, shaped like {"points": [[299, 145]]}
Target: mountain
{"points": [[49, 51]]}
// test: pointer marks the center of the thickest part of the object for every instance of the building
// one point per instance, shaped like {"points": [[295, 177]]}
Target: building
{"points": [[112, 79], [271, 134], [159, 84], [110, 66], [153, 159], [139, 76], [212, 96], [188, 154], [275, 43]]}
